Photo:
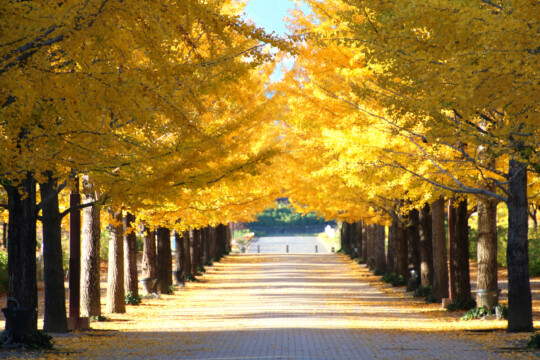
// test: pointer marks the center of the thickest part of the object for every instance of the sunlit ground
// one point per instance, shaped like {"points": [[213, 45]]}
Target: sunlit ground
{"points": [[258, 292]]}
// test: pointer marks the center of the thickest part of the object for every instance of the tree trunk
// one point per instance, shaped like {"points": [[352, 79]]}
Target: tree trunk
{"points": [[164, 260], [402, 265], [187, 253], [221, 233], [360, 240], [213, 244], [371, 243], [149, 260], [451, 237], [391, 253], [413, 239], [90, 260], [22, 245], [459, 258], [194, 250], [115, 276], [487, 244], [131, 280], [208, 246], [380, 255], [440, 261], [517, 252], [426, 247], [55, 318], [228, 237], [365, 242], [179, 258]]}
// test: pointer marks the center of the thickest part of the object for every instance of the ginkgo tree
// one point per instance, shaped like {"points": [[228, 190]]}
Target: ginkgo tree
{"points": [[455, 98], [98, 88]]}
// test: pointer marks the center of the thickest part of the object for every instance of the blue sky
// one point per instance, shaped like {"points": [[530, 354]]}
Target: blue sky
{"points": [[269, 14]]}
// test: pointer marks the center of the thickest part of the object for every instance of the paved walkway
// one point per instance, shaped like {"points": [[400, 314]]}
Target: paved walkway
{"points": [[286, 306]]}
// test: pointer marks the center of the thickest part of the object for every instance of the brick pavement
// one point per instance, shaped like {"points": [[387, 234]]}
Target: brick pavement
{"points": [[286, 306]]}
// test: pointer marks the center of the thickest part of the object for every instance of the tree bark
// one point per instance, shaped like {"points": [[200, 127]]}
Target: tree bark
{"points": [[426, 247], [22, 245], [402, 265], [131, 280], [179, 258], [187, 253], [487, 244], [221, 233], [164, 260], [391, 253], [213, 244], [413, 239], [208, 246], [55, 318], [440, 261], [380, 255], [90, 256], [451, 237], [517, 252], [459, 260], [149, 259], [115, 276], [359, 240], [194, 250]]}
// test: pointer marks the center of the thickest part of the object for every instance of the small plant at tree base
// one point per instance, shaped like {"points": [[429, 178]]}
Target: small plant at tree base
{"points": [[461, 305], [430, 299], [132, 299], [171, 290], [201, 269], [534, 342], [377, 272], [423, 291], [501, 310], [189, 278], [477, 313], [208, 262], [99, 318]]}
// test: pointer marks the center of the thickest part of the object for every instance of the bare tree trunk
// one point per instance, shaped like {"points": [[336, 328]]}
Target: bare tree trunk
{"points": [[22, 245], [187, 253], [440, 261], [131, 281], [115, 279], [391, 253], [459, 261], [149, 259], [55, 319], [371, 245], [164, 260], [194, 251], [517, 252], [178, 259], [360, 240], [380, 255], [414, 240], [426, 247], [90, 257], [402, 264], [208, 245], [487, 245], [213, 244], [451, 236]]}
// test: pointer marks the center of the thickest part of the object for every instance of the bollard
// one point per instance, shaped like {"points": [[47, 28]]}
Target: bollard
{"points": [[287, 249], [258, 249], [316, 249]]}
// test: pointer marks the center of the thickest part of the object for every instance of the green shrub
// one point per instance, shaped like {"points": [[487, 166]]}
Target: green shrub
{"points": [[502, 311], [189, 278], [132, 299], [461, 305], [4, 277], [201, 269], [39, 341], [423, 291], [99, 318], [394, 279], [477, 313], [170, 290], [534, 342]]}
